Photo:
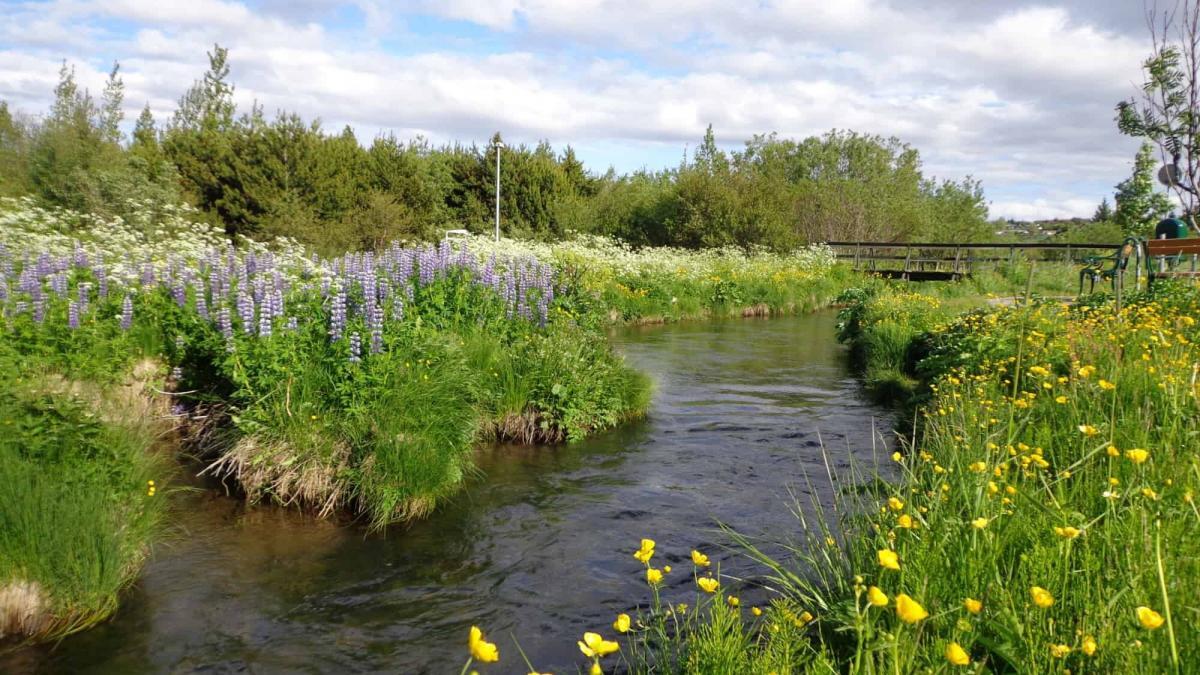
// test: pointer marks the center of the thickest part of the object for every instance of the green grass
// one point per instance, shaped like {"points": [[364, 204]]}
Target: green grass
{"points": [[76, 519]]}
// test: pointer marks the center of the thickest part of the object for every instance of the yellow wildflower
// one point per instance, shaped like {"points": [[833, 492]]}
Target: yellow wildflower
{"points": [[909, 610], [654, 576], [877, 597], [979, 523], [905, 521], [1106, 385], [621, 625], [1060, 399], [1086, 371], [978, 467], [1137, 455], [733, 601], [895, 504], [1060, 651], [1149, 618], [956, 655], [482, 650], [972, 605], [699, 559], [708, 584], [644, 553], [594, 646], [1041, 597], [1067, 532], [1089, 645], [756, 611], [888, 559], [1088, 430]]}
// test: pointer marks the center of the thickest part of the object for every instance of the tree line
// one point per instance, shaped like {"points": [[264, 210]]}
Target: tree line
{"points": [[262, 177]]}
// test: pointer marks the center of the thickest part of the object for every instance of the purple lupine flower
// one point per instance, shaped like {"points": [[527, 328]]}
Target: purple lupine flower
{"points": [[376, 325], [225, 324], [72, 315], [337, 314], [201, 305], [147, 274], [101, 280], [126, 312], [179, 293], [264, 323], [355, 348], [245, 310], [58, 284]]}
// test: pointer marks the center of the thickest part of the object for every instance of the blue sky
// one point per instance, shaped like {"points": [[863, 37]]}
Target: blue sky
{"points": [[1017, 94]]}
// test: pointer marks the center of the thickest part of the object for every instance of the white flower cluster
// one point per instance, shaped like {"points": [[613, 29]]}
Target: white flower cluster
{"points": [[153, 232], [620, 259]]}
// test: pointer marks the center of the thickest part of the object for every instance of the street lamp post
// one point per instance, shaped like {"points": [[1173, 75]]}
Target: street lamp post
{"points": [[498, 145]]}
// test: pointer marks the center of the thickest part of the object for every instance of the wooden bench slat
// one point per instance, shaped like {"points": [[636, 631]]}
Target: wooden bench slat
{"points": [[1157, 247]]}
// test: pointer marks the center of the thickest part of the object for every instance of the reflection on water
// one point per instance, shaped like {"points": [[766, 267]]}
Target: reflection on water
{"points": [[539, 547]]}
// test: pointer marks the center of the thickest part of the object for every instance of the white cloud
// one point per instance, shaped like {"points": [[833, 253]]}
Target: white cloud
{"points": [[1020, 97]]}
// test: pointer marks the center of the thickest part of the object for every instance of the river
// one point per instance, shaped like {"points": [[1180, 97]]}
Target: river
{"points": [[538, 546]]}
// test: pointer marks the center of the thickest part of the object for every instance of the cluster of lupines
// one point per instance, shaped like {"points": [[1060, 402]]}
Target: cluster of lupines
{"points": [[254, 287]]}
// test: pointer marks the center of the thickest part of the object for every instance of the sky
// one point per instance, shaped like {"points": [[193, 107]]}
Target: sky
{"points": [[1018, 94]]}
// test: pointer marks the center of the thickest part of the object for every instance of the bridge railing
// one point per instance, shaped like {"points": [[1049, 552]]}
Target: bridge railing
{"points": [[952, 260]]}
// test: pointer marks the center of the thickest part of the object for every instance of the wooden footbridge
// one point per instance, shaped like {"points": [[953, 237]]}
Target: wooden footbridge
{"points": [[951, 261]]}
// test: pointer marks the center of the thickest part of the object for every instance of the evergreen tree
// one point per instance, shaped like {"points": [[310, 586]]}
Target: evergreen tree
{"points": [[111, 112], [1104, 212], [1139, 204]]}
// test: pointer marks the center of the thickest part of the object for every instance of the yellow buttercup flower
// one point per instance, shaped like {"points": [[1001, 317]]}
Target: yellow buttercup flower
{"points": [[895, 504], [596, 669], [1137, 455], [1089, 645], [644, 553], [733, 601], [1067, 532], [1149, 618], [621, 625], [888, 559], [978, 467], [756, 611], [909, 610], [1060, 651], [699, 559], [897, 457], [654, 576], [1060, 399], [1041, 597], [956, 655], [708, 584], [973, 606], [877, 597], [594, 646], [979, 523], [1106, 385], [1088, 430], [905, 521], [1086, 371], [482, 650]]}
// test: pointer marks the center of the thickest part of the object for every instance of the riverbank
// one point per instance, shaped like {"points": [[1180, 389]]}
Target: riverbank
{"points": [[359, 384], [1043, 519]]}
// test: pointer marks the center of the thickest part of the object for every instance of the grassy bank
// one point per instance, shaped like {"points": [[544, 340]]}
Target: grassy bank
{"points": [[357, 384], [659, 285], [79, 493]]}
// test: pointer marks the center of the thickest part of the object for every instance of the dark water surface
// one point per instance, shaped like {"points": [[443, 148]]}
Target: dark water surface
{"points": [[540, 546]]}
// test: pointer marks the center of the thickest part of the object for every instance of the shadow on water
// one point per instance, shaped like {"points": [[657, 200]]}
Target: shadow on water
{"points": [[540, 547]]}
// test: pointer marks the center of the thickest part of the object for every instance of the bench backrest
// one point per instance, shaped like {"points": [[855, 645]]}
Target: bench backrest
{"points": [[1156, 247]]}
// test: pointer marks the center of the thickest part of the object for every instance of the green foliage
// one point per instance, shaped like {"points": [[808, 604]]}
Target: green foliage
{"points": [[76, 515], [284, 176], [1139, 204]]}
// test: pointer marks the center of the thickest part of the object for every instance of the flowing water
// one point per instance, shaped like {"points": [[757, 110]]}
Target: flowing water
{"points": [[539, 547]]}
